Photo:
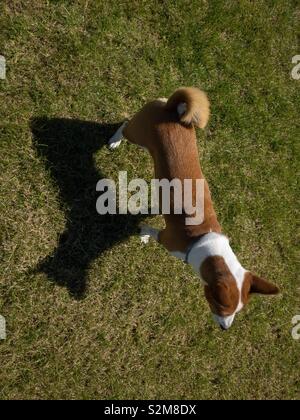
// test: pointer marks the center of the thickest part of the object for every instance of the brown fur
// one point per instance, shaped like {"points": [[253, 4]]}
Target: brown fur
{"points": [[221, 291], [173, 147], [256, 284]]}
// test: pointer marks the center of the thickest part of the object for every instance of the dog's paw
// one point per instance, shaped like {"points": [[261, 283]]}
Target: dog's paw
{"points": [[145, 239], [146, 232], [113, 144]]}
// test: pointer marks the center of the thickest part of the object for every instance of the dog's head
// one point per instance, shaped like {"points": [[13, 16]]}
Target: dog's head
{"points": [[228, 292]]}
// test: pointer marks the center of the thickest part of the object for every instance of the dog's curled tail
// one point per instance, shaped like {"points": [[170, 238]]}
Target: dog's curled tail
{"points": [[192, 106]]}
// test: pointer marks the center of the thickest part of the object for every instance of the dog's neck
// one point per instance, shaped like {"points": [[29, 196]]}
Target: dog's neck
{"points": [[215, 244], [210, 245]]}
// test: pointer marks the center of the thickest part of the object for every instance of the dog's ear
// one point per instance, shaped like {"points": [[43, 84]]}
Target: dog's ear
{"points": [[262, 286]]}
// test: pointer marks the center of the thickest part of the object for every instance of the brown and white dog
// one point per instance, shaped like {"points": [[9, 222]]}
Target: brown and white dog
{"points": [[166, 129]]}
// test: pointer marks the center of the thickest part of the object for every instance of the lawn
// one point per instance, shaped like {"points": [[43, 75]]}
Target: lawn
{"points": [[90, 312]]}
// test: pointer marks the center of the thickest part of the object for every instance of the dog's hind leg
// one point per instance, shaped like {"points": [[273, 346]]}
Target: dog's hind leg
{"points": [[147, 232], [117, 138]]}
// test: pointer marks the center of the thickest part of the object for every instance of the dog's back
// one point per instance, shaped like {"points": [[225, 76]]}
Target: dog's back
{"points": [[166, 130]]}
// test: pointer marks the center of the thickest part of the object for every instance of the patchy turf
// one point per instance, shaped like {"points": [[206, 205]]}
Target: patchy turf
{"points": [[90, 312]]}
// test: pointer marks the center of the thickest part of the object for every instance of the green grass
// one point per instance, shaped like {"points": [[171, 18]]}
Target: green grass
{"points": [[90, 312]]}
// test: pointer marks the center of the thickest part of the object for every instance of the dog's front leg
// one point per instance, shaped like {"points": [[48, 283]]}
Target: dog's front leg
{"points": [[147, 232], [117, 138]]}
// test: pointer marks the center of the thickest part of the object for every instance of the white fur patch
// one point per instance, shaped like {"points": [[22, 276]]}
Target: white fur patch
{"points": [[115, 144], [224, 321], [178, 254], [115, 141], [145, 239]]}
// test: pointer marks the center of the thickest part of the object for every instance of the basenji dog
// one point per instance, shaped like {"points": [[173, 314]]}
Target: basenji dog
{"points": [[166, 128]]}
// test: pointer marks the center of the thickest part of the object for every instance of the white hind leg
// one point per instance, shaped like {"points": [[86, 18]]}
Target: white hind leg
{"points": [[117, 138], [147, 232]]}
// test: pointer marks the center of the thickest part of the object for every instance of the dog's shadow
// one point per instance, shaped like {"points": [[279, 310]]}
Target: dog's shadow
{"points": [[67, 148]]}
